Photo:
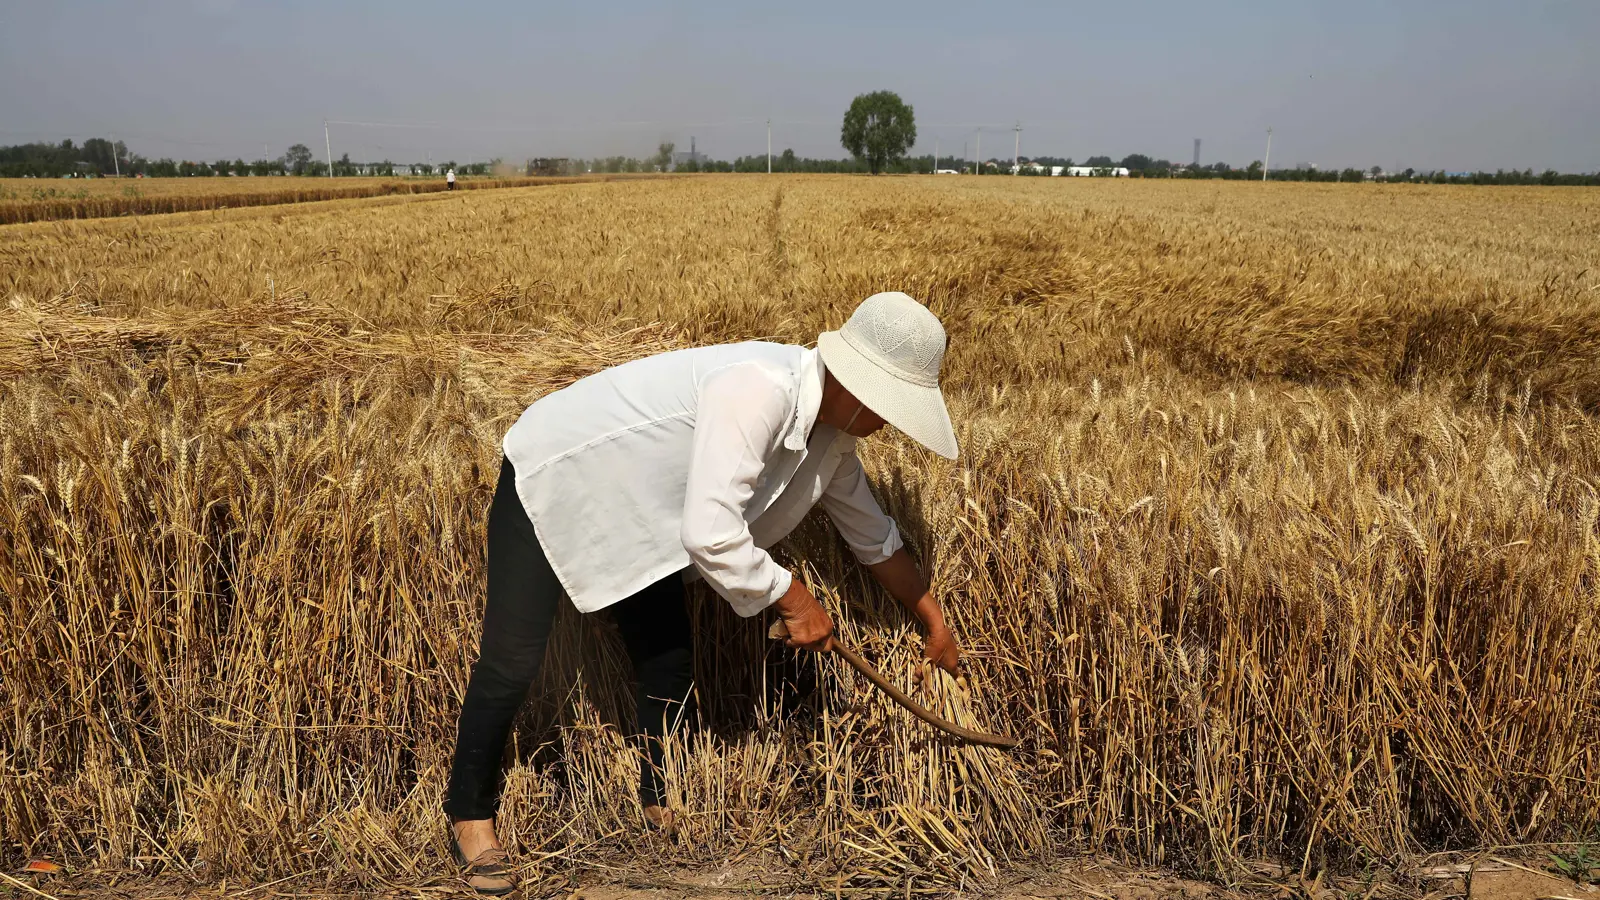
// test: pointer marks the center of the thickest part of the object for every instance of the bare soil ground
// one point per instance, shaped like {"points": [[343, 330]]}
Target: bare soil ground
{"points": [[1496, 879]]}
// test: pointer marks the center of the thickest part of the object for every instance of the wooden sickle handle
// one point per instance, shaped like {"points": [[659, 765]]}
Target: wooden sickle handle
{"points": [[779, 631]]}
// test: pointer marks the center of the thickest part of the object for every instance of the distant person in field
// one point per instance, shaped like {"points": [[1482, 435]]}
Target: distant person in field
{"points": [[450, 180], [619, 489]]}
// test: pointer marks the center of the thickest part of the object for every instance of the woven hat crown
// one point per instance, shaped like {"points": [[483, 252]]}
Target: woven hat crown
{"points": [[900, 335]]}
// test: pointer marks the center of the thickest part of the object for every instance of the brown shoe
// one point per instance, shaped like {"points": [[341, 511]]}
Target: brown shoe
{"points": [[488, 873], [659, 818]]}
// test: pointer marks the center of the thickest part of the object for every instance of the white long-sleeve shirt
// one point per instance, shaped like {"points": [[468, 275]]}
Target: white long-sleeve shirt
{"points": [[696, 460]]}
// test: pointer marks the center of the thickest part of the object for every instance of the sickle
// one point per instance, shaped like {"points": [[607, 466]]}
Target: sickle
{"points": [[780, 631]]}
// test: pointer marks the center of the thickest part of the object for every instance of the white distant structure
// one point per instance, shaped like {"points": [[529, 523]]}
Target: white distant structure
{"points": [[680, 158], [1071, 171], [946, 172]]}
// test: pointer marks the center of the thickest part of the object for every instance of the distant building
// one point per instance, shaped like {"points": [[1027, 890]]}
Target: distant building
{"points": [[1097, 172], [946, 172], [680, 158]]}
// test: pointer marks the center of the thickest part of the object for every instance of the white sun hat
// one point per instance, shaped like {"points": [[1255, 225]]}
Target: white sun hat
{"points": [[888, 356]]}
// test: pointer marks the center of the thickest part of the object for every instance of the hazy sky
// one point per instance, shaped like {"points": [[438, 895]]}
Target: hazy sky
{"points": [[1453, 84]]}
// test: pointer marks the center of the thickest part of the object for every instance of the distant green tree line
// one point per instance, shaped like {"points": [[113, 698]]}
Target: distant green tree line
{"points": [[99, 157]]}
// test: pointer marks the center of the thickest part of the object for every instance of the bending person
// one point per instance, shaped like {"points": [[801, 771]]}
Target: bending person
{"points": [[621, 487]]}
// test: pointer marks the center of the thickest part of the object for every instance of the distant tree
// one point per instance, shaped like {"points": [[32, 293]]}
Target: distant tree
{"points": [[1135, 162], [786, 161], [1099, 162], [98, 152], [1376, 171], [1253, 170], [663, 157], [878, 129], [298, 159]]}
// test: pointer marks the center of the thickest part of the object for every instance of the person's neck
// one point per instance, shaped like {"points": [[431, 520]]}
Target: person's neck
{"points": [[836, 408]]}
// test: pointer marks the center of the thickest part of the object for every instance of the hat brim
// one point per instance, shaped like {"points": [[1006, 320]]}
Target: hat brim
{"points": [[917, 411]]}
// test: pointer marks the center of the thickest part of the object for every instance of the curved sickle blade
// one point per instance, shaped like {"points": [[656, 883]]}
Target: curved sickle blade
{"points": [[779, 631]]}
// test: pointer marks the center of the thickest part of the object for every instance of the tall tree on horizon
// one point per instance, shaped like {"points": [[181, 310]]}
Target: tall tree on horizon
{"points": [[878, 128], [298, 159]]}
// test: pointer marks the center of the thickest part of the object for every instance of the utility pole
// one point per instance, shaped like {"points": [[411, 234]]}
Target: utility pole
{"points": [[1016, 152], [979, 168], [1266, 164], [935, 156], [769, 146], [328, 144], [115, 165]]}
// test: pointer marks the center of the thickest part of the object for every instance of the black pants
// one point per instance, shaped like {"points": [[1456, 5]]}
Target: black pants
{"points": [[521, 607]]}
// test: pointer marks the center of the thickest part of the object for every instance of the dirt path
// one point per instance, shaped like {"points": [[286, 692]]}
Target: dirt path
{"points": [[1098, 880]]}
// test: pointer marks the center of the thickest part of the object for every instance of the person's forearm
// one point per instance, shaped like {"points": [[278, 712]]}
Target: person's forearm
{"points": [[900, 577]]}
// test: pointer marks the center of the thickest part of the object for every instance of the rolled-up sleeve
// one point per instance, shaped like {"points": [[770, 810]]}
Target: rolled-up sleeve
{"points": [[873, 537], [741, 415]]}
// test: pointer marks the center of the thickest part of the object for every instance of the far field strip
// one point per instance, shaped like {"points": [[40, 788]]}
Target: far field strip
{"points": [[24, 201], [203, 218]]}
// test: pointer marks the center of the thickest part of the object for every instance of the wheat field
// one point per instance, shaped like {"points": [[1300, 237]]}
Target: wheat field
{"points": [[1274, 535], [45, 199]]}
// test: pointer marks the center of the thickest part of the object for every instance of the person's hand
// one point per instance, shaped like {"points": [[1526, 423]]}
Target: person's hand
{"points": [[807, 622], [939, 646]]}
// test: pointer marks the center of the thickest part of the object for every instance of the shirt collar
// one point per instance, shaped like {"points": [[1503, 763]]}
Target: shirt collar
{"points": [[812, 372]]}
